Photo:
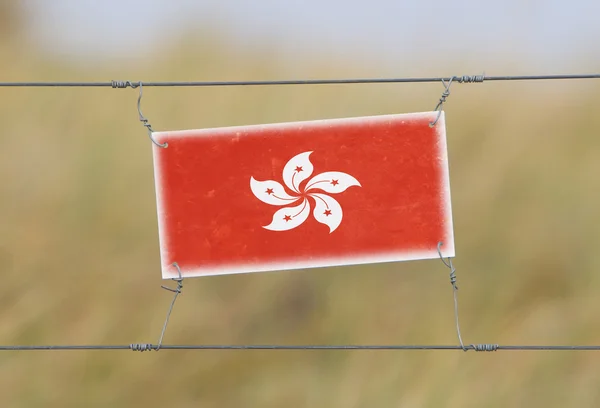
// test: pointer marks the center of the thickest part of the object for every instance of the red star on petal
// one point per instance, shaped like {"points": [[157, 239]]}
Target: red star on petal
{"points": [[335, 182], [269, 191], [287, 218], [327, 212], [298, 169]]}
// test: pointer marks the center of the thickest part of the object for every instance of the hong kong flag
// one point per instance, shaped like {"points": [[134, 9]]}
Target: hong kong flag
{"points": [[303, 194]]}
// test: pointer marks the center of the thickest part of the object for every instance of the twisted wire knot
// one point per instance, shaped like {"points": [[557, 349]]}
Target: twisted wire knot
{"points": [[449, 266], [124, 84], [484, 347], [443, 98], [468, 79], [141, 347], [453, 276]]}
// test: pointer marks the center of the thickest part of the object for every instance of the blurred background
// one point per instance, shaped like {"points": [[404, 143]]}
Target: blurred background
{"points": [[78, 231]]}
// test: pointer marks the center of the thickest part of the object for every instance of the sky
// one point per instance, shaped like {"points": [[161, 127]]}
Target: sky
{"points": [[551, 35]]}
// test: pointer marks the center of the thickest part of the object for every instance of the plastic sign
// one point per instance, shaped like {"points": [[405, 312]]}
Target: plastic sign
{"points": [[303, 195]]}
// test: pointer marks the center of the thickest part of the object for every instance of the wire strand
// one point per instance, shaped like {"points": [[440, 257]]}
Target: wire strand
{"points": [[147, 347], [460, 79], [176, 292]]}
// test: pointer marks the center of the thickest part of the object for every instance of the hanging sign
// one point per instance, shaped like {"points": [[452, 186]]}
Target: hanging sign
{"points": [[303, 194]]}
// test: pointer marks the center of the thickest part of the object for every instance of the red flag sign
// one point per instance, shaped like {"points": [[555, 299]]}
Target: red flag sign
{"points": [[302, 195]]}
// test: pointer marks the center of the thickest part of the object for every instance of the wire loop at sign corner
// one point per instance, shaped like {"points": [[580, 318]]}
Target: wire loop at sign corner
{"points": [[179, 280], [150, 135]]}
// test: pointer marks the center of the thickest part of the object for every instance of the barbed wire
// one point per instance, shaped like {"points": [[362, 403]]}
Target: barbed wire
{"points": [[459, 79]]}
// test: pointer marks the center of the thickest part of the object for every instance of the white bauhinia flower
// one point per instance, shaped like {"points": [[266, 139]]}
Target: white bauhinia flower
{"points": [[326, 209]]}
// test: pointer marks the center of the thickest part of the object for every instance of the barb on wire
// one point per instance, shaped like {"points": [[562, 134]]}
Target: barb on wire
{"points": [[476, 347], [123, 84], [460, 79]]}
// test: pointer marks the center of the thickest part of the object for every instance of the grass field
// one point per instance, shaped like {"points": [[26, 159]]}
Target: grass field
{"points": [[79, 248]]}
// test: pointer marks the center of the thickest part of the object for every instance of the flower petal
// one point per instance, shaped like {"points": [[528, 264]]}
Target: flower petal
{"points": [[289, 217], [298, 169], [332, 182], [327, 211], [271, 192]]}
